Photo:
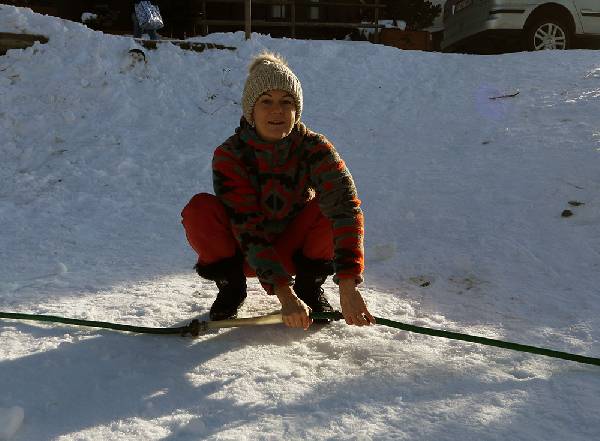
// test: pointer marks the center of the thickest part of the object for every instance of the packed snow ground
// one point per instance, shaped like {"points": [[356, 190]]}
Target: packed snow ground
{"points": [[462, 196]]}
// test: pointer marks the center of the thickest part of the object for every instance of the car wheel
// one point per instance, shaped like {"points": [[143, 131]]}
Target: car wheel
{"points": [[547, 33]]}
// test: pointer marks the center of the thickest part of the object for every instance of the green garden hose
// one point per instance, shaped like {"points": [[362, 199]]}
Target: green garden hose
{"points": [[195, 327]]}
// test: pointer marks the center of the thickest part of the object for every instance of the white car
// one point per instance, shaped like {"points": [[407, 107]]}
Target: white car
{"points": [[536, 24]]}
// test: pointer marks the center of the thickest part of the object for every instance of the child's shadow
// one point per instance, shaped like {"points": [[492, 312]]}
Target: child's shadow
{"points": [[102, 377]]}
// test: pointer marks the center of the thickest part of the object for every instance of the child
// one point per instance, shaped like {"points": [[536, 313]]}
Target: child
{"points": [[284, 204]]}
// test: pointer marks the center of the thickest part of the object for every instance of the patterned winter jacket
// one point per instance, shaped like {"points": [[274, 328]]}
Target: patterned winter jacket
{"points": [[263, 186]]}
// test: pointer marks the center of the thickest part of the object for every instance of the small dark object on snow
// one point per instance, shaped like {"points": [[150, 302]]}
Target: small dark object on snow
{"points": [[576, 203], [425, 284], [507, 95], [566, 213], [138, 53]]}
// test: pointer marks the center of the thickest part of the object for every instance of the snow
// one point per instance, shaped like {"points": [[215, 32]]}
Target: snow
{"points": [[462, 198], [88, 16], [10, 421]]}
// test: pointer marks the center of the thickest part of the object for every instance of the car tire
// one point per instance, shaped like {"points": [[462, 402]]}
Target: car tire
{"points": [[548, 32]]}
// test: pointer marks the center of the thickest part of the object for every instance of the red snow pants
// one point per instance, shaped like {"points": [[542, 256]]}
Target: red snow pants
{"points": [[209, 232]]}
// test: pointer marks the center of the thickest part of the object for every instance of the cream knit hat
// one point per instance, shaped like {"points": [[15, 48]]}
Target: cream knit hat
{"points": [[269, 71]]}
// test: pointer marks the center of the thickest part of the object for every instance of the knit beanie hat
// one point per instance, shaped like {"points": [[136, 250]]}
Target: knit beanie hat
{"points": [[269, 71]]}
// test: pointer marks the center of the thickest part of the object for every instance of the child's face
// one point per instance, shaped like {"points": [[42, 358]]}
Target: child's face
{"points": [[274, 115]]}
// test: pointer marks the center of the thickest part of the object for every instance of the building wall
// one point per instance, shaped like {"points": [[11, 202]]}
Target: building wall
{"points": [[262, 12], [181, 16]]}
